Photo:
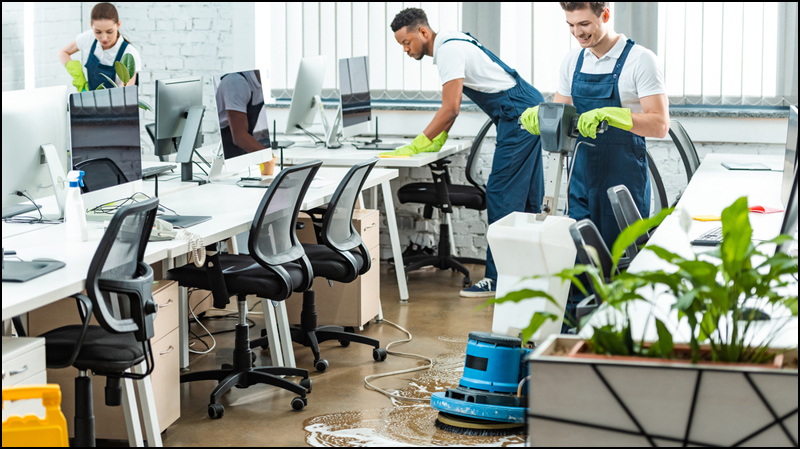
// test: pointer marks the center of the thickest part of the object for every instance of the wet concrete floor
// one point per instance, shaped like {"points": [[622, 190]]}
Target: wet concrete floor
{"points": [[341, 411]]}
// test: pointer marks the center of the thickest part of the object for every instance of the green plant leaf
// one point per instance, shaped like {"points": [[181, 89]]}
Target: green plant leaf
{"points": [[629, 235], [144, 105], [665, 344], [122, 72], [129, 63], [538, 319], [685, 301], [520, 295], [737, 236], [109, 80], [100, 87], [609, 342]]}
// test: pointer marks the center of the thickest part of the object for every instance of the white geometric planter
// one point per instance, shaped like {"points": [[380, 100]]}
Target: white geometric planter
{"points": [[591, 402]]}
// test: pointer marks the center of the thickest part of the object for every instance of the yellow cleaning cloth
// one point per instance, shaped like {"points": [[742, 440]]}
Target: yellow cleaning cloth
{"points": [[707, 217]]}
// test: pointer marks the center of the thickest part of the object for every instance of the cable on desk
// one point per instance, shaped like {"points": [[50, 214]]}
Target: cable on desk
{"points": [[28, 219], [200, 167]]}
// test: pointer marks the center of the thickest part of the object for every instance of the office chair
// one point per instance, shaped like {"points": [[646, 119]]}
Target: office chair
{"points": [[442, 194], [100, 173], [276, 266], [626, 213], [119, 288], [691, 161], [657, 185], [339, 256], [585, 234]]}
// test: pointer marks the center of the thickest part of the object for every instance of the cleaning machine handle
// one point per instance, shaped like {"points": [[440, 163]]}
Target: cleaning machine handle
{"points": [[601, 128]]}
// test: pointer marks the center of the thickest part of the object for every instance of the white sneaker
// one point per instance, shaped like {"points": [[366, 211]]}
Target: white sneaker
{"points": [[486, 288]]}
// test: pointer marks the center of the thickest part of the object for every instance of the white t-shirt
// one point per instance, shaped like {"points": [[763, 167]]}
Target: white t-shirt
{"points": [[106, 57], [233, 94], [641, 75], [465, 60]]}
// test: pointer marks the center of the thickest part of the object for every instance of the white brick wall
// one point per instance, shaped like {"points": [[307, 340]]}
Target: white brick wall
{"points": [[13, 58], [54, 26]]}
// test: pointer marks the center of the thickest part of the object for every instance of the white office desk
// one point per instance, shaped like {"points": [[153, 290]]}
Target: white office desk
{"points": [[712, 189]]}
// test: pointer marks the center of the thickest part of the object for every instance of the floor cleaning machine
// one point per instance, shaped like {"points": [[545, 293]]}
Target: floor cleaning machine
{"points": [[491, 397]]}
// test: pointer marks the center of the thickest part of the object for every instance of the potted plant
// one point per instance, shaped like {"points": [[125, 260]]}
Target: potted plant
{"points": [[124, 67], [729, 385]]}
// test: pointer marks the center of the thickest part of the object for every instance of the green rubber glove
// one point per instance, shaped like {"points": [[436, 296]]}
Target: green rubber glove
{"points": [[530, 120], [78, 80], [418, 145], [616, 117], [437, 143]]}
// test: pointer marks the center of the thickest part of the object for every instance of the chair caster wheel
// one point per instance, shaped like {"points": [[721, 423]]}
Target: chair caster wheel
{"points": [[344, 343], [379, 354], [215, 411], [265, 346], [298, 403], [467, 282], [253, 358], [227, 366], [306, 383], [321, 365], [350, 330]]}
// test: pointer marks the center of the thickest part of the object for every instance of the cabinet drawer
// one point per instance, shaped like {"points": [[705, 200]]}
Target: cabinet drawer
{"points": [[166, 379], [26, 362], [165, 294], [368, 225]]}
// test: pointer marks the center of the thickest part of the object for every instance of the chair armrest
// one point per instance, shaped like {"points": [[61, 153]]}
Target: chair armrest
{"points": [[586, 306]]}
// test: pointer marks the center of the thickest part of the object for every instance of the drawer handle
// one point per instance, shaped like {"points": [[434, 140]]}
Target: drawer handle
{"points": [[370, 226], [19, 371], [169, 303], [170, 349]]}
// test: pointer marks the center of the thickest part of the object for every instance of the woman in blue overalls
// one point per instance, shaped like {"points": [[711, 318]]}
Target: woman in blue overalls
{"points": [[105, 46]]}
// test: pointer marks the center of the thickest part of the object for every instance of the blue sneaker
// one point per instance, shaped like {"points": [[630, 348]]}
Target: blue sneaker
{"points": [[486, 288]]}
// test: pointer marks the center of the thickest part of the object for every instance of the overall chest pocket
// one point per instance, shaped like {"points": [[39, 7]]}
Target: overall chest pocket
{"points": [[594, 91]]}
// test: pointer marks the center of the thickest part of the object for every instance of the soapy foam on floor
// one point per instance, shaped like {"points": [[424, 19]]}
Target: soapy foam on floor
{"points": [[404, 424]]}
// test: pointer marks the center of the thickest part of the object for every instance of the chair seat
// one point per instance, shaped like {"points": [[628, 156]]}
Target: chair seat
{"points": [[460, 195], [243, 276], [101, 351], [329, 264]]}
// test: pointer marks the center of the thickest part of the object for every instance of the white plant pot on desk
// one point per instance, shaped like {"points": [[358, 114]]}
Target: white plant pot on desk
{"points": [[606, 401], [522, 247]]}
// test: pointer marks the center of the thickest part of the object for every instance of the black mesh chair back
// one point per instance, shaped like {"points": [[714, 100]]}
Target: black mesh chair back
{"points": [[691, 161], [119, 282], [338, 231], [626, 213], [474, 170], [657, 185], [100, 173], [273, 240], [584, 234]]}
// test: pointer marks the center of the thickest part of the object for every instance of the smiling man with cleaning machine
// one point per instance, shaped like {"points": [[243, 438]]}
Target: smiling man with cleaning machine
{"points": [[608, 78], [465, 66]]}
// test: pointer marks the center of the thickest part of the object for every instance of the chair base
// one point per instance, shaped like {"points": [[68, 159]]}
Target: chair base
{"points": [[444, 260], [242, 375]]}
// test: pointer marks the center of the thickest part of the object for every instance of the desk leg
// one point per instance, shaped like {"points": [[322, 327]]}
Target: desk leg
{"points": [[183, 321], [453, 249], [131, 411], [275, 354], [394, 236], [285, 334], [146, 398], [373, 198]]}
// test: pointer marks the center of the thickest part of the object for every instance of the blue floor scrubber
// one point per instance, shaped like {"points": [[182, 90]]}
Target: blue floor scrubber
{"points": [[488, 399]]}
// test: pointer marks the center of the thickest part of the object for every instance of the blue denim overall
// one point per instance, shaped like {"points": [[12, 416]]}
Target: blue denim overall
{"points": [[619, 157], [94, 68], [516, 183]]}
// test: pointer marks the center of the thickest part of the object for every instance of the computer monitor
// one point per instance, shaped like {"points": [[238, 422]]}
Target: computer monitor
{"points": [[34, 147], [789, 226], [306, 96], [105, 143], [242, 94], [179, 117], [354, 95], [790, 158]]}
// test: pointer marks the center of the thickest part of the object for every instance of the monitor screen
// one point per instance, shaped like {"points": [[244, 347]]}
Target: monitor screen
{"points": [[104, 136], [354, 88], [790, 160], [240, 98]]}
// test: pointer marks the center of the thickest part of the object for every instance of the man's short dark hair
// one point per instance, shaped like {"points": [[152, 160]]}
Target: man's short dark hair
{"points": [[596, 7], [413, 18]]}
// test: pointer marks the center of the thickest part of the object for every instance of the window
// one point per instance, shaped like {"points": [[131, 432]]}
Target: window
{"points": [[346, 29]]}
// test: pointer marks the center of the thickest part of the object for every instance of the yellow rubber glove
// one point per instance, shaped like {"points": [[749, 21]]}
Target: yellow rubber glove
{"points": [[76, 71], [437, 143], [530, 120], [419, 144], [616, 117]]}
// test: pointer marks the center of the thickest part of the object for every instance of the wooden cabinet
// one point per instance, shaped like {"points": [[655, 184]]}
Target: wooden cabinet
{"points": [[165, 378], [352, 304]]}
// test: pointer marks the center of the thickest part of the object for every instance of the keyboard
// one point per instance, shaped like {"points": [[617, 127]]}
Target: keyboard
{"points": [[152, 171], [710, 238]]}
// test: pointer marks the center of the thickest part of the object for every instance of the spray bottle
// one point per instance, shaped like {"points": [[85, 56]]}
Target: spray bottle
{"points": [[74, 211]]}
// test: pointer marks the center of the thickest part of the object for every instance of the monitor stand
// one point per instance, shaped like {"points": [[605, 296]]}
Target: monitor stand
{"points": [[57, 177], [332, 131], [191, 129]]}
